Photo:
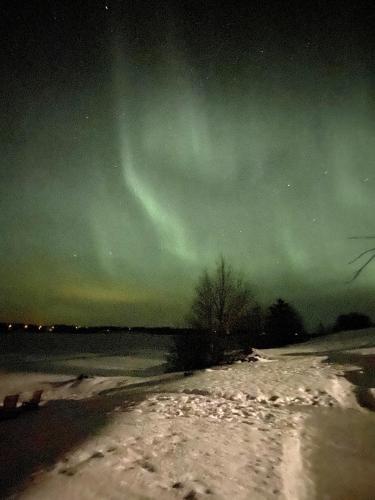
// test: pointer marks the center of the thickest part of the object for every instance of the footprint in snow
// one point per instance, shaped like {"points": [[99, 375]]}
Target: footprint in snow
{"points": [[148, 466], [193, 492], [177, 485], [191, 495], [71, 471]]}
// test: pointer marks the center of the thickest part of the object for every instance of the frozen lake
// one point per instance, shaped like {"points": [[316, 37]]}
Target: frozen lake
{"points": [[138, 354]]}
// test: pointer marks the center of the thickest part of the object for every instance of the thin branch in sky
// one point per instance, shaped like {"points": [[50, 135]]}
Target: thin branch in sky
{"points": [[361, 237], [358, 272], [369, 250], [362, 254]]}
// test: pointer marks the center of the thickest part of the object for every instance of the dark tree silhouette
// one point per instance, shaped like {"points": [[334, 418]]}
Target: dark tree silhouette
{"points": [[222, 299], [283, 324]]}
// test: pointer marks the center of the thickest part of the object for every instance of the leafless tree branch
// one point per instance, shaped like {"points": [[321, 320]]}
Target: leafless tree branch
{"points": [[362, 254], [361, 237], [222, 299], [358, 272]]}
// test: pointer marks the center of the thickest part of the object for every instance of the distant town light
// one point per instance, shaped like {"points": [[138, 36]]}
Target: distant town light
{"points": [[10, 326], [26, 327], [40, 327]]}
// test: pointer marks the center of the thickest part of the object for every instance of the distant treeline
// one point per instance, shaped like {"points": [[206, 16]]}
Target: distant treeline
{"points": [[74, 329], [344, 322], [256, 329]]}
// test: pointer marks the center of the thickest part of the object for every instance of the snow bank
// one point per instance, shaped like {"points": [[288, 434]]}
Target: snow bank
{"points": [[348, 340]]}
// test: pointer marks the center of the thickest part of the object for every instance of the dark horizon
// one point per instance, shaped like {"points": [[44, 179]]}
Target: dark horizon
{"points": [[312, 322], [142, 140]]}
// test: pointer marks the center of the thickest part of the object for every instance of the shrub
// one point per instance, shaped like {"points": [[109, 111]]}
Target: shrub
{"points": [[351, 321], [196, 349]]}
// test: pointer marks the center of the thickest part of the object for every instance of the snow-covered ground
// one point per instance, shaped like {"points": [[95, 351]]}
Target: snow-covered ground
{"points": [[288, 426]]}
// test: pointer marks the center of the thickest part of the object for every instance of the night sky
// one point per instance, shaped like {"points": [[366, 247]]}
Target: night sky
{"points": [[141, 140]]}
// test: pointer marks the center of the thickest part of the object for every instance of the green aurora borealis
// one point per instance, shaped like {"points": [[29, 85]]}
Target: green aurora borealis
{"points": [[139, 146]]}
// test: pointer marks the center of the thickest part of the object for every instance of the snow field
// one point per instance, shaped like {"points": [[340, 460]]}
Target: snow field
{"points": [[221, 433], [249, 430]]}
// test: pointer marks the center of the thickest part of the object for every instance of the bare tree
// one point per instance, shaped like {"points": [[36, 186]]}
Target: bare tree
{"points": [[202, 309], [370, 251], [222, 299]]}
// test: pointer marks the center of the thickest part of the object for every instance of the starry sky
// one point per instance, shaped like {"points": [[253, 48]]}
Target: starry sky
{"points": [[142, 140]]}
